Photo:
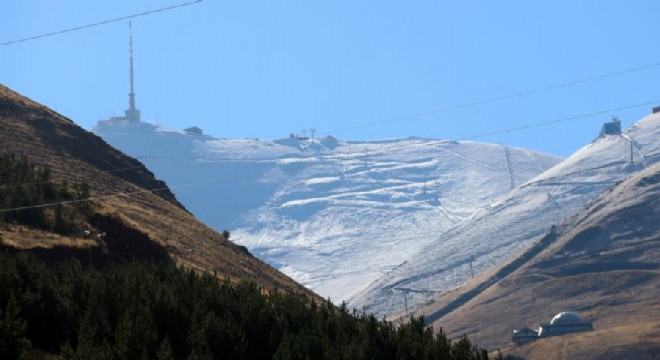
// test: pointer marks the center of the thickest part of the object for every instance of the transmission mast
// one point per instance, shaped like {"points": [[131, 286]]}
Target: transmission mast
{"points": [[132, 114]]}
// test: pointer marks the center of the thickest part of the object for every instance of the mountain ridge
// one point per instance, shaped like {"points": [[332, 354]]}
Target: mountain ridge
{"points": [[316, 208], [514, 221], [603, 262], [124, 192]]}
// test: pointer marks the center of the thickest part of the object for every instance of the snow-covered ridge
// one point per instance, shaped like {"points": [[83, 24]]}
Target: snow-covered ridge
{"points": [[509, 224], [334, 215]]}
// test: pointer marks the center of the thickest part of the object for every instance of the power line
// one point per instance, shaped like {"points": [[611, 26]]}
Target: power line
{"points": [[524, 127], [225, 178], [130, 193], [430, 143], [498, 98], [433, 143], [513, 129], [100, 23], [408, 117], [51, 181]]}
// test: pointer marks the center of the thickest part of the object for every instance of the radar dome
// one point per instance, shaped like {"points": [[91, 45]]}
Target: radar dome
{"points": [[565, 318]]}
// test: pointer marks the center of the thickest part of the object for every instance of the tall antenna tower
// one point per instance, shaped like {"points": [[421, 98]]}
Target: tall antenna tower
{"points": [[132, 114]]}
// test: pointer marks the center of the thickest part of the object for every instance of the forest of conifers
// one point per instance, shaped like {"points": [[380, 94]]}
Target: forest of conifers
{"points": [[148, 310], [145, 310]]}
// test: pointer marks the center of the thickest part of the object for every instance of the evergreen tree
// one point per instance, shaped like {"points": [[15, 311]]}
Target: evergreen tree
{"points": [[13, 342], [145, 311]]}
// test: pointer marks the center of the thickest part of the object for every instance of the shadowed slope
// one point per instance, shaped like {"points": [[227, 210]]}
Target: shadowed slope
{"points": [[603, 263], [127, 195]]}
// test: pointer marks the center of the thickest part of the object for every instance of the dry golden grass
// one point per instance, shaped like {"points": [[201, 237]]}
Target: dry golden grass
{"points": [[640, 341], [76, 156], [603, 263], [21, 237]]}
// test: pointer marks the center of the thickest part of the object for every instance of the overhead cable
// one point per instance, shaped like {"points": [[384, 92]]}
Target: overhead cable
{"points": [[234, 177], [498, 98], [100, 23], [524, 127]]}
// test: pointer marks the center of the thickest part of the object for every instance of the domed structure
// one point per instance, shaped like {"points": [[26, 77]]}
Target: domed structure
{"points": [[563, 323], [566, 318]]}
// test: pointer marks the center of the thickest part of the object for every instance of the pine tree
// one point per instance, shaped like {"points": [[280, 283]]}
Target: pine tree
{"points": [[13, 342]]}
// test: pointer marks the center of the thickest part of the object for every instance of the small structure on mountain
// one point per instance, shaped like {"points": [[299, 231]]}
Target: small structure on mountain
{"points": [[611, 128], [524, 335], [298, 137], [565, 322], [195, 131], [656, 110]]}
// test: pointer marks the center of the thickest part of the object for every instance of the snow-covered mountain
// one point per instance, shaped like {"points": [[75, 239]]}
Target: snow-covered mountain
{"points": [[510, 224], [334, 215]]}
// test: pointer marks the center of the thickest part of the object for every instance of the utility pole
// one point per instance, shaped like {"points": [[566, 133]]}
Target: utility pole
{"points": [[426, 176], [471, 270], [632, 161], [552, 199], [312, 131], [405, 300]]}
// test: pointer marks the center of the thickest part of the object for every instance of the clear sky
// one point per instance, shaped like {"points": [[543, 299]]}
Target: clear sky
{"points": [[264, 69]]}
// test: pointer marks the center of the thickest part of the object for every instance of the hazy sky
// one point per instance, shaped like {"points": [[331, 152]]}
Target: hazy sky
{"points": [[268, 68]]}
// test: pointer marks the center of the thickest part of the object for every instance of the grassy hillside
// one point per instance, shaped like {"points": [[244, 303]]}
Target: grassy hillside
{"points": [[603, 263], [130, 205]]}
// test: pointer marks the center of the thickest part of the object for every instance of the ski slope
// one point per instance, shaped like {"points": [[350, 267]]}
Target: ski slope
{"points": [[334, 215], [508, 225]]}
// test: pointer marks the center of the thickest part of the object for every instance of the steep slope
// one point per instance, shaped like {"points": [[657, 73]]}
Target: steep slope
{"points": [[506, 227], [130, 205], [334, 215], [603, 263]]}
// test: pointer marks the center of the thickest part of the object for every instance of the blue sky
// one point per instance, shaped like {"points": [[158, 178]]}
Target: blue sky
{"points": [[264, 69]]}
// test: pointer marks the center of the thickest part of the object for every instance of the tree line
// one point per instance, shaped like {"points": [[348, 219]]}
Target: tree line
{"points": [[23, 184], [143, 310], [147, 310]]}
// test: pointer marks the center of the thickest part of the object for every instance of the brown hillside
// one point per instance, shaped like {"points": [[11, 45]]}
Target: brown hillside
{"points": [[603, 263], [138, 221]]}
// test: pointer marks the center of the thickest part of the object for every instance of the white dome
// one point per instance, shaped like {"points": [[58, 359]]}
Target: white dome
{"points": [[566, 317]]}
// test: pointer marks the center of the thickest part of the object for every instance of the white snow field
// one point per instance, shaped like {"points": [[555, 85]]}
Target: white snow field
{"points": [[505, 227], [334, 215]]}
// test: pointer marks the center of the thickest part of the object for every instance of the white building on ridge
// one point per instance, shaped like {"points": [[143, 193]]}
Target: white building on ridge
{"points": [[563, 323]]}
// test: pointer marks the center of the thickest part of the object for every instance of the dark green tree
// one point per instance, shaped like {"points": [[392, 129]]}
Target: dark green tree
{"points": [[13, 342]]}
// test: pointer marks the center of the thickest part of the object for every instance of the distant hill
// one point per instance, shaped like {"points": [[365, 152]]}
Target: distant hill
{"points": [[333, 214], [138, 214], [603, 263], [507, 226]]}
